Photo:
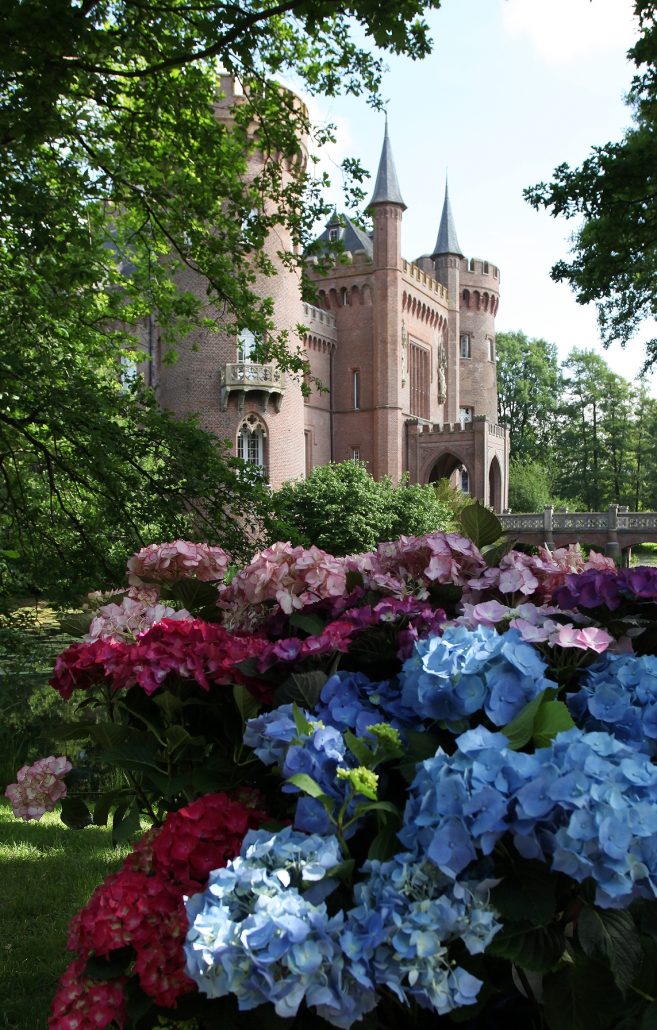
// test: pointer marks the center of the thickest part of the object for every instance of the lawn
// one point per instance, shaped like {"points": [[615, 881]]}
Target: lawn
{"points": [[47, 873]]}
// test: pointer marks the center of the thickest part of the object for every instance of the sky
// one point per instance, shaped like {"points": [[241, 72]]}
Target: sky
{"points": [[512, 89]]}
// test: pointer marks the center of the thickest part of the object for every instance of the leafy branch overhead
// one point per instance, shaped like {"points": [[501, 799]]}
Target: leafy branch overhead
{"points": [[118, 188]]}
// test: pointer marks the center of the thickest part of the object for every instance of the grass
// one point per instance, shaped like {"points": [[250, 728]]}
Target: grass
{"points": [[47, 872]]}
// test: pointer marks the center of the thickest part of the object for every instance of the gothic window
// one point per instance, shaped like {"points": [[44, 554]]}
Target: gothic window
{"points": [[490, 343], [472, 264], [465, 415], [486, 268], [334, 235], [355, 389], [419, 375], [355, 453], [251, 441], [465, 481], [465, 345]]}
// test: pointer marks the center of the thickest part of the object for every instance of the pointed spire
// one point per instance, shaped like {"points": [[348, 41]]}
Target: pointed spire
{"points": [[447, 242], [386, 190]]}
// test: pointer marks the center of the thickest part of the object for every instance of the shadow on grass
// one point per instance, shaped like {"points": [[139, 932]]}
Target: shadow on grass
{"points": [[47, 873]]}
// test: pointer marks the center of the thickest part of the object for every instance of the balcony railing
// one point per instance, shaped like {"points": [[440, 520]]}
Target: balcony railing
{"points": [[242, 377]]}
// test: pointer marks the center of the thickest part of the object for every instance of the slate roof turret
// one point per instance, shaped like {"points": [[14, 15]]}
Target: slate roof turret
{"points": [[447, 242], [386, 189]]}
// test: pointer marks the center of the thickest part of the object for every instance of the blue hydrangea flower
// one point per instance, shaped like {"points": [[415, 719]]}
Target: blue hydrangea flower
{"points": [[466, 671], [398, 936], [254, 934], [586, 804], [619, 694]]}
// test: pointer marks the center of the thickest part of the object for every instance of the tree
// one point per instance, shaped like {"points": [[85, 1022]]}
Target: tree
{"points": [[114, 176], [528, 387], [615, 191], [343, 510]]}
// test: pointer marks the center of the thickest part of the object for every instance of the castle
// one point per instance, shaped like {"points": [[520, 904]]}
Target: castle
{"points": [[405, 351]]}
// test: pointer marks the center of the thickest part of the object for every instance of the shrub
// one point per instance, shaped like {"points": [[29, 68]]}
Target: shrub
{"points": [[342, 509]]}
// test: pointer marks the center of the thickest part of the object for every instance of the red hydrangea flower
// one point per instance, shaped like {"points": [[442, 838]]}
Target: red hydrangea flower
{"points": [[141, 906]]}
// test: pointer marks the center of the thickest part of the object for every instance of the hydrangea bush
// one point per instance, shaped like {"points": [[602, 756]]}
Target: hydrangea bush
{"points": [[409, 788]]}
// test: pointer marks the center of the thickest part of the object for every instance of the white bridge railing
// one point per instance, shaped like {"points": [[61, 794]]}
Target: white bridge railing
{"points": [[608, 526]]}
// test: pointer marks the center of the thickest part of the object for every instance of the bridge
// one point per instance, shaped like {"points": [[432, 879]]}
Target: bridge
{"points": [[613, 532]]}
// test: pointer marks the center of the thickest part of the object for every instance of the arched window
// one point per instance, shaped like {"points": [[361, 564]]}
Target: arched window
{"points": [[251, 441], [246, 344]]}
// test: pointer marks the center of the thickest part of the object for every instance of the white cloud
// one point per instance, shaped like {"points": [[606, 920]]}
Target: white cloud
{"points": [[566, 30]]}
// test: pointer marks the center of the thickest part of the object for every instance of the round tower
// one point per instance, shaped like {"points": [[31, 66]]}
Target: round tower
{"points": [[479, 297], [258, 409]]}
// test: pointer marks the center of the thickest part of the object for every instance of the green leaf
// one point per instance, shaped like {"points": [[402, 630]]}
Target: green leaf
{"points": [[552, 718], [582, 996], [385, 844], [130, 756], [302, 688], [359, 749], [480, 525], [649, 1019], [493, 553], [311, 624], [104, 804], [380, 806], [194, 594], [530, 947], [306, 784], [125, 826], [343, 871], [99, 968], [74, 813], [611, 934], [76, 624], [521, 729], [303, 727], [354, 580], [530, 895], [247, 705]]}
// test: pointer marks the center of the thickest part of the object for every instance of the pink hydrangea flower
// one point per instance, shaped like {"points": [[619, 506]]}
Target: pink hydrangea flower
{"points": [[180, 559], [293, 577], [125, 621], [585, 638], [412, 564], [39, 787]]}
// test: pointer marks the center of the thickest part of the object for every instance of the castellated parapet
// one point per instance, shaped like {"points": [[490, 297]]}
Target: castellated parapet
{"points": [[401, 354]]}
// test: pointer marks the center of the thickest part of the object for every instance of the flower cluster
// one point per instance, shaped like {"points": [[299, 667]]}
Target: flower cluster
{"points": [[39, 787], [85, 1004], [191, 649], [595, 588], [398, 935], [466, 671], [180, 559], [292, 577], [619, 694], [141, 906], [257, 934], [521, 576], [412, 564], [129, 618], [587, 803], [536, 625]]}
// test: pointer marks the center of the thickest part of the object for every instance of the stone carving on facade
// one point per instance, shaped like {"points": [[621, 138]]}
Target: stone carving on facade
{"points": [[442, 374]]}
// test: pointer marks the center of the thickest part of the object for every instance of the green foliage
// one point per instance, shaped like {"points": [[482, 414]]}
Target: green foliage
{"points": [[529, 485], [343, 510], [613, 193], [528, 388], [103, 223]]}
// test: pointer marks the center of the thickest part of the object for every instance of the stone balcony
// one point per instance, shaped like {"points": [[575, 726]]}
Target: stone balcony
{"points": [[242, 377]]}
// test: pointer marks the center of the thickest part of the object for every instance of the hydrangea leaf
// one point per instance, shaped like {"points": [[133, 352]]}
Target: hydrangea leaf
{"points": [[582, 996], [302, 688], [480, 525], [358, 748], [74, 813], [612, 934], [385, 844], [194, 595], [303, 727], [126, 823], [531, 947], [521, 729], [247, 705], [100, 968], [552, 718], [530, 895], [76, 624], [306, 784], [310, 623]]}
